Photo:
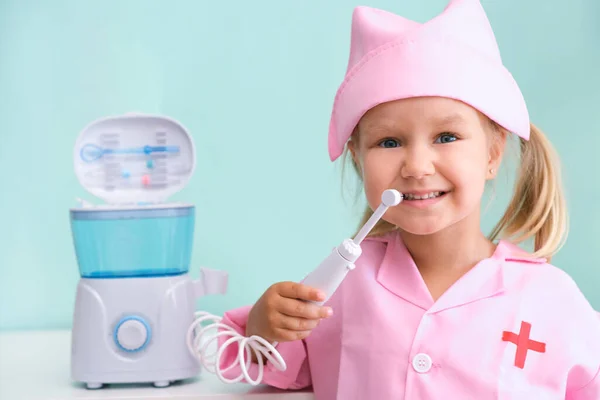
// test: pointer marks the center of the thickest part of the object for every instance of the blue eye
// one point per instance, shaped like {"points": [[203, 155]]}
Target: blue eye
{"points": [[446, 138], [389, 143]]}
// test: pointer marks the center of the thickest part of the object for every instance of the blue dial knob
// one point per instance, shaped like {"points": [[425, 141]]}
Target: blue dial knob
{"points": [[132, 334]]}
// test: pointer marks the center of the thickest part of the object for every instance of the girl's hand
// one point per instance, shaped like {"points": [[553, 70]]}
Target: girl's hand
{"points": [[283, 313]]}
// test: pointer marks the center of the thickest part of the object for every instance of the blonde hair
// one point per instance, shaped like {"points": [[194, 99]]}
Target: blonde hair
{"points": [[538, 207]]}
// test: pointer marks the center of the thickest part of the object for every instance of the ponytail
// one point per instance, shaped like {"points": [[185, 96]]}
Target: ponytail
{"points": [[538, 207]]}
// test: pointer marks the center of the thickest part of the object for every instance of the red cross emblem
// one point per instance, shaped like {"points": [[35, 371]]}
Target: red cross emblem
{"points": [[524, 344]]}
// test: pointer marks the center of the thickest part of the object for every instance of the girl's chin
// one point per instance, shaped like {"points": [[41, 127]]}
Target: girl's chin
{"points": [[422, 227]]}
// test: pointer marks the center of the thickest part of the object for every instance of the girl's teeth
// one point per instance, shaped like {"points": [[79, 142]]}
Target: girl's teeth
{"points": [[423, 197]]}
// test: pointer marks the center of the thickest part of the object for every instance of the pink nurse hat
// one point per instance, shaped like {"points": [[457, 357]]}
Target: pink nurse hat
{"points": [[453, 55]]}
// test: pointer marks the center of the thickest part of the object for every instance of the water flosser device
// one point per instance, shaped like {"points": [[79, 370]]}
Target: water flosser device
{"points": [[327, 277], [332, 270]]}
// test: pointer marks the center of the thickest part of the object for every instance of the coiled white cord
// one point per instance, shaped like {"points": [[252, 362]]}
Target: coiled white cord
{"points": [[198, 345]]}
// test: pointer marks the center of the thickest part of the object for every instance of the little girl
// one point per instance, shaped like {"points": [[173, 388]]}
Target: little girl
{"points": [[434, 309]]}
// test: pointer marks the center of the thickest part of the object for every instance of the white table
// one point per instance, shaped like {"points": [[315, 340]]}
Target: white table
{"points": [[35, 366]]}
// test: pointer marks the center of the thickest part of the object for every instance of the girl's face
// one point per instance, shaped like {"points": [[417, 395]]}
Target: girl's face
{"points": [[438, 152]]}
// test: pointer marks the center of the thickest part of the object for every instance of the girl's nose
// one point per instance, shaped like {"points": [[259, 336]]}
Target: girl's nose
{"points": [[418, 163]]}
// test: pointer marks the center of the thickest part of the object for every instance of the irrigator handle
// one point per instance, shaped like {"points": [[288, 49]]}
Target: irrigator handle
{"points": [[331, 272]]}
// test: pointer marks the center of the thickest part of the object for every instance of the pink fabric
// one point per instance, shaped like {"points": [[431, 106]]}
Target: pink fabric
{"points": [[384, 316], [453, 55]]}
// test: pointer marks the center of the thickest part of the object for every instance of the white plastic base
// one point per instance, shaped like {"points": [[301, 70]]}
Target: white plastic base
{"points": [[133, 330]]}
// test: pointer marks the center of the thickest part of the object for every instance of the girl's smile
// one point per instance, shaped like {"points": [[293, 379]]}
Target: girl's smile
{"points": [[423, 199]]}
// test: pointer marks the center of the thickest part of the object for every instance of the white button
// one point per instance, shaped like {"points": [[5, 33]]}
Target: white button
{"points": [[422, 363], [132, 334]]}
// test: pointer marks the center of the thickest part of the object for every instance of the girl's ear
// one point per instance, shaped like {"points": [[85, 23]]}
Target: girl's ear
{"points": [[352, 147], [496, 151]]}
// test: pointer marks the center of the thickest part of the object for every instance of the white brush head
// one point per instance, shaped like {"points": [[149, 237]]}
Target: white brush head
{"points": [[391, 198]]}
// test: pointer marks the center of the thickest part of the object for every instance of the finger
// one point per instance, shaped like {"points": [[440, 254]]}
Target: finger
{"points": [[302, 309], [285, 335], [296, 324], [294, 290]]}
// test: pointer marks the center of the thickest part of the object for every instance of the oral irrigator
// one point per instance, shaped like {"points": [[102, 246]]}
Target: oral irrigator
{"points": [[135, 297], [327, 277]]}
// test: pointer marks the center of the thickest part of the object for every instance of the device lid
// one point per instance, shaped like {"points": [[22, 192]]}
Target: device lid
{"points": [[134, 158]]}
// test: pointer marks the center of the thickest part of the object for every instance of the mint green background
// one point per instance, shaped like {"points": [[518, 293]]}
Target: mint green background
{"points": [[254, 83]]}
